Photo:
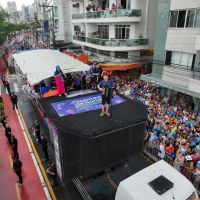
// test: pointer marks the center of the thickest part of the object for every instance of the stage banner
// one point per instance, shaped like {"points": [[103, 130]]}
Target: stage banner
{"points": [[82, 104]]}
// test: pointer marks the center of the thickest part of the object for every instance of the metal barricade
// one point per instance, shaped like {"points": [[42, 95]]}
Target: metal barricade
{"points": [[153, 153]]}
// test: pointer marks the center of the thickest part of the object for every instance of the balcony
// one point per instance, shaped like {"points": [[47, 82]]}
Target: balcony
{"points": [[121, 15], [111, 44]]}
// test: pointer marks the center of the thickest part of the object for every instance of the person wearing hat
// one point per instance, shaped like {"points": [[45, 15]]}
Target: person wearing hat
{"points": [[106, 87], [83, 80], [58, 74], [93, 75]]}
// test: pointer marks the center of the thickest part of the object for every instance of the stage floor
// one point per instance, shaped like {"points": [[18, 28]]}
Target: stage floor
{"points": [[90, 123]]}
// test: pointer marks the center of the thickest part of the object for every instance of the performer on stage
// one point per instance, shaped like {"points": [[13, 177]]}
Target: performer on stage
{"points": [[92, 75], [107, 88], [98, 74], [58, 74]]}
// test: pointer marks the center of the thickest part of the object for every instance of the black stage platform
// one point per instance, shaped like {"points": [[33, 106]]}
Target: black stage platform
{"points": [[90, 143]]}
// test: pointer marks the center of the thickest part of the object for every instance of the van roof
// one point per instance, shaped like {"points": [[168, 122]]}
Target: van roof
{"points": [[138, 186]]}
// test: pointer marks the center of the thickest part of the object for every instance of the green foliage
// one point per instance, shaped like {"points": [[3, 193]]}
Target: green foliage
{"points": [[6, 28]]}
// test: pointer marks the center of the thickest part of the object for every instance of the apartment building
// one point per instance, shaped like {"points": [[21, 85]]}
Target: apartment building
{"points": [[62, 20], [117, 30], [177, 48]]}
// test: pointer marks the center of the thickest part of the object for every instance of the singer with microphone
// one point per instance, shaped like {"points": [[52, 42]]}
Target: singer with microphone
{"points": [[107, 87]]}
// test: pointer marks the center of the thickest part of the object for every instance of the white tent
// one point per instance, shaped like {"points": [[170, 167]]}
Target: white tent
{"points": [[38, 65]]}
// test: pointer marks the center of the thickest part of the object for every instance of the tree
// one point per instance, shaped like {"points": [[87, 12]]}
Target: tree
{"points": [[6, 28]]}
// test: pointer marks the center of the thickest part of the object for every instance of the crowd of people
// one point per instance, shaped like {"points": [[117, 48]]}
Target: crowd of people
{"points": [[92, 7], [172, 126]]}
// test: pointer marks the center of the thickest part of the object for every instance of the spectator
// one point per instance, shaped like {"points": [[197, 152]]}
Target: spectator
{"points": [[52, 172], [8, 88], [114, 7], [44, 143], [3, 79], [37, 131], [14, 146], [17, 166], [8, 133], [3, 119], [14, 100]]}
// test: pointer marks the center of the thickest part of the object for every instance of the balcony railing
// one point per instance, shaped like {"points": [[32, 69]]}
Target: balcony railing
{"points": [[153, 152], [108, 14], [113, 42], [79, 38]]}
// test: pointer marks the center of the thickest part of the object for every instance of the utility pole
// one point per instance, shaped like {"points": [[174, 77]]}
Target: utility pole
{"points": [[50, 8]]}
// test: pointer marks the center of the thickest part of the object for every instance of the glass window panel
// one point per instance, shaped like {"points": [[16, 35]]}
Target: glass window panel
{"points": [[122, 31], [181, 18], [176, 57], [190, 18], [197, 19], [190, 60], [184, 59], [173, 18]]}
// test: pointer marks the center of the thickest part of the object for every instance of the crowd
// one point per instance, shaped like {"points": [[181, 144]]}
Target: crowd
{"points": [[172, 126], [92, 7]]}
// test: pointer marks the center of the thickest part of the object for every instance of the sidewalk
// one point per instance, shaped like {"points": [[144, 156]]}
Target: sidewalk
{"points": [[8, 178], [32, 188]]}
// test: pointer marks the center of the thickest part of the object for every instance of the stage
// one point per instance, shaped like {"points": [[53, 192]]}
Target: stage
{"points": [[87, 143]]}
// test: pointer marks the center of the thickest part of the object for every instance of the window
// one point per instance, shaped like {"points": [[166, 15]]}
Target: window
{"points": [[190, 18], [103, 31], [178, 18], [181, 18], [173, 18], [197, 19], [105, 53], [176, 57], [121, 54], [56, 24], [180, 59], [122, 31], [56, 11], [90, 49]]}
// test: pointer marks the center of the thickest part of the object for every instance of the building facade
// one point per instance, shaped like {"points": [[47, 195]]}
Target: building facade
{"points": [[12, 11], [62, 20], [115, 29], [177, 48]]}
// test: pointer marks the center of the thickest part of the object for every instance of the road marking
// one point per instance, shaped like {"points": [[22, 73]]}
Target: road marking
{"points": [[36, 159], [18, 192], [16, 88]]}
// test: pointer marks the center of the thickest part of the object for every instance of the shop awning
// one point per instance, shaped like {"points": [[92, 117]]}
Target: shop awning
{"points": [[124, 66], [38, 65]]}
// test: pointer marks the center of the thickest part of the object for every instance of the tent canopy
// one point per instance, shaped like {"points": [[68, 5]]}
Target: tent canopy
{"points": [[38, 65]]}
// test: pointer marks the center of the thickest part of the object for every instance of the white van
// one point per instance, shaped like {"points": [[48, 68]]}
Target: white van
{"points": [[160, 181]]}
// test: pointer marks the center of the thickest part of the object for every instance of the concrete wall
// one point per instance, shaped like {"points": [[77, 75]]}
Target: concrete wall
{"points": [[91, 28], [151, 21], [183, 4], [177, 76], [194, 85], [197, 42], [140, 27], [183, 39], [65, 20]]}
